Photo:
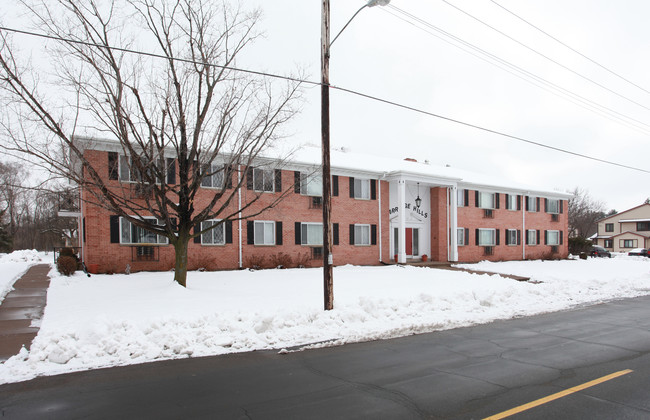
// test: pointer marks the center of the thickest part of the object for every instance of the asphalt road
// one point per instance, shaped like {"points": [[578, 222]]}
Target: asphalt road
{"points": [[464, 373]]}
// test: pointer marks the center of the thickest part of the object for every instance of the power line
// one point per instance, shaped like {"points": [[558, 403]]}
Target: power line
{"points": [[571, 48], [547, 57], [530, 77], [342, 89]]}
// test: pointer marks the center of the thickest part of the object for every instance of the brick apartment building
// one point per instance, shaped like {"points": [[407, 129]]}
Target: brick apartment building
{"points": [[383, 211]]}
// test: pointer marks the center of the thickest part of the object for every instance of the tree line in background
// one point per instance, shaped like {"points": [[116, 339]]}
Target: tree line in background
{"points": [[584, 214], [29, 216]]}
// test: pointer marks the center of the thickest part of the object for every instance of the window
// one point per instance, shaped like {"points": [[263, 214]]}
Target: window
{"points": [[628, 243], [486, 200], [552, 206], [129, 173], [642, 226], [460, 237], [531, 237], [609, 227], [511, 237], [361, 234], [460, 197], [511, 202], [214, 236], [531, 203], [553, 237], [132, 234], [362, 189], [486, 237], [311, 184], [312, 234], [264, 233], [263, 179], [609, 243], [214, 176]]}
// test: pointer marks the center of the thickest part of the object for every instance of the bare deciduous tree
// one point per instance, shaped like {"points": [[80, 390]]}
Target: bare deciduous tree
{"points": [[187, 101], [584, 212]]}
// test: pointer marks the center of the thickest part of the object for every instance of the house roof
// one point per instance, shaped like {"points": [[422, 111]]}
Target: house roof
{"points": [[623, 212], [629, 232], [634, 220]]}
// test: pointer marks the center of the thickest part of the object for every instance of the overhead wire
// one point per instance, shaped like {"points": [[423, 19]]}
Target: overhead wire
{"points": [[338, 88]]}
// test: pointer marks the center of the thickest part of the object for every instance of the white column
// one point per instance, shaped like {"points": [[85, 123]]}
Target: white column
{"points": [[401, 221], [453, 223]]}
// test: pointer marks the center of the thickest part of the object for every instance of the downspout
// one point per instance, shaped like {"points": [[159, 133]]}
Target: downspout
{"points": [[241, 264], [379, 210], [524, 234], [80, 226]]}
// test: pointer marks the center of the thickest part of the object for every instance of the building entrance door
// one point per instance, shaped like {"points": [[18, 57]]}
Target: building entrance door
{"points": [[409, 241]]}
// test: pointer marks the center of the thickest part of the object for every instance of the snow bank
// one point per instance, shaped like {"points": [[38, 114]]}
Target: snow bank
{"points": [[14, 265], [118, 320]]}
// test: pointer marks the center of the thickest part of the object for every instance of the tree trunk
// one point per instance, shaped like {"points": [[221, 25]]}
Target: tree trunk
{"points": [[180, 270]]}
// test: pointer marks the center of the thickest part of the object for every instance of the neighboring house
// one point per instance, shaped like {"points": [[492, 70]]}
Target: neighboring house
{"points": [[383, 210], [626, 230]]}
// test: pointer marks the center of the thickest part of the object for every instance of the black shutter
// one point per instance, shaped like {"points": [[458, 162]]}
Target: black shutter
{"points": [[518, 202], [298, 233], [526, 198], [539, 237], [561, 237], [250, 232], [171, 171], [546, 205], [229, 231], [335, 233], [278, 233], [115, 229], [537, 209], [476, 237], [561, 206], [546, 237], [507, 237], [476, 198], [351, 234], [173, 222], [518, 237], [278, 180], [351, 187], [496, 200], [113, 165], [227, 173], [296, 182], [83, 229], [466, 235], [197, 239], [373, 234], [497, 233], [508, 202], [335, 185], [466, 197], [373, 189], [249, 178]]}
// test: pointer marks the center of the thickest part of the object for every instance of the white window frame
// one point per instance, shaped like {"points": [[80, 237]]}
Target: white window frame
{"points": [[361, 189], [264, 240], [556, 203], [208, 238], [311, 184], [460, 236], [267, 180], [213, 180], [460, 197], [482, 197], [480, 237], [317, 238], [126, 224], [123, 165], [532, 204], [511, 203], [555, 233], [510, 240], [532, 232], [359, 235]]}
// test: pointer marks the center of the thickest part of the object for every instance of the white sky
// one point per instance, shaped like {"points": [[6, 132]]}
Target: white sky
{"points": [[379, 54], [382, 55]]}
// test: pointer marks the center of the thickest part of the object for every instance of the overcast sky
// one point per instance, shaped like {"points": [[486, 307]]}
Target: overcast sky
{"points": [[386, 53]]}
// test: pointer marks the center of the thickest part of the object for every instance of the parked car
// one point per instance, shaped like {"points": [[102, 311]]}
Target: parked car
{"points": [[599, 251], [639, 251]]}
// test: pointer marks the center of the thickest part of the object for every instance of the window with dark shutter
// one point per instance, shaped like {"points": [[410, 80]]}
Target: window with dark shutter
{"points": [[351, 187], [518, 202], [228, 231], [476, 200], [278, 233], [496, 200], [115, 229], [113, 166], [508, 202], [197, 239], [298, 233], [335, 234], [373, 234], [278, 180], [171, 171], [249, 178], [250, 232], [466, 236], [466, 197], [518, 237], [497, 236], [296, 182], [373, 189], [351, 234], [335, 185]]}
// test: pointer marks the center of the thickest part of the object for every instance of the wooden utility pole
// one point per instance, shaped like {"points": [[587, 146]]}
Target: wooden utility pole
{"points": [[328, 283]]}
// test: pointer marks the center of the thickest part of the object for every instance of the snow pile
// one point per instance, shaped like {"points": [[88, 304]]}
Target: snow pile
{"points": [[117, 320], [14, 265]]}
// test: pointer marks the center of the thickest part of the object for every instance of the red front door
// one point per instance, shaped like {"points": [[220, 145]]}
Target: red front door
{"points": [[409, 241]]}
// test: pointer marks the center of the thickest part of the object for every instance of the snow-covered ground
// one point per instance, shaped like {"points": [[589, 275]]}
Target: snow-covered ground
{"points": [[14, 265], [111, 320]]}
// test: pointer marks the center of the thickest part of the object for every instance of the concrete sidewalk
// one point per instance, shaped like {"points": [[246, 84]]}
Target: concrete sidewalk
{"points": [[20, 307]]}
